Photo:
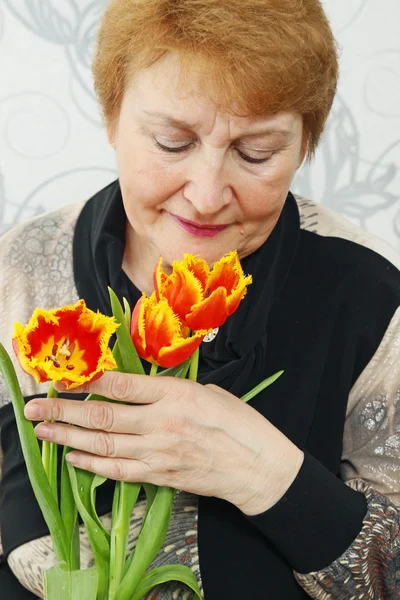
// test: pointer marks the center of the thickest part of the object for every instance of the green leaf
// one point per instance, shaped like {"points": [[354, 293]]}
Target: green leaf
{"points": [[261, 386], [70, 585], [126, 495], [130, 360], [97, 481], [151, 491], [98, 539], [150, 540], [127, 313], [163, 575], [179, 371], [49, 460], [194, 365], [33, 460], [117, 355]]}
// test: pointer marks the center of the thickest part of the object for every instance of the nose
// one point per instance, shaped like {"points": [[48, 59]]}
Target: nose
{"points": [[208, 188]]}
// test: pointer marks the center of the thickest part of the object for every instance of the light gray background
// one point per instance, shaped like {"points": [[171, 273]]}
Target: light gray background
{"points": [[53, 150]]}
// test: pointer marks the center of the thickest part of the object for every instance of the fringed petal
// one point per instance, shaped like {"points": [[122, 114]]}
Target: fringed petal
{"points": [[210, 313], [162, 327], [182, 291], [199, 267], [180, 350], [159, 278]]}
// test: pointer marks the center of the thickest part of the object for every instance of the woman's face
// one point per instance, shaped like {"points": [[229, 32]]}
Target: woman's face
{"points": [[194, 179]]}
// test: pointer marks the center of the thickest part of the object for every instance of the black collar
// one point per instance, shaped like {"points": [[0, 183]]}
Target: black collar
{"points": [[240, 344]]}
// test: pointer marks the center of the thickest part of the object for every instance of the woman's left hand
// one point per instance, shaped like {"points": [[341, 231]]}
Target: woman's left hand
{"points": [[176, 433]]}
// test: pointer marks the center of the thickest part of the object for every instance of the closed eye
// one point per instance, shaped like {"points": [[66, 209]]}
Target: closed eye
{"points": [[242, 155]]}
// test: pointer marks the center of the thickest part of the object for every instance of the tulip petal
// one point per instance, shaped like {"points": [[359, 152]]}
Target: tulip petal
{"points": [[210, 313], [162, 327], [198, 266], [159, 278], [226, 272], [138, 326], [154, 326], [201, 299], [159, 335], [182, 290], [233, 301], [180, 350]]}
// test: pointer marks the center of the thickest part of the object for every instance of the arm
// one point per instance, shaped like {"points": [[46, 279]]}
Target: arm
{"points": [[359, 521], [203, 440], [371, 465], [36, 270]]}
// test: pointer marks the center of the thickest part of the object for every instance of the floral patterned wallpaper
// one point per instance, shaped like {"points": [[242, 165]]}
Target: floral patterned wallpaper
{"points": [[53, 149]]}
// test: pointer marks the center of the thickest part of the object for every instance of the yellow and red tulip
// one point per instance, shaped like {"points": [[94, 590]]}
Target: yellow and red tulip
{"points": [[202, 299], [159, 335], [68, 344]]}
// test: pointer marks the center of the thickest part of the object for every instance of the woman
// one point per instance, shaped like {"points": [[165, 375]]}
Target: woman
{"points": [[211, 107]]}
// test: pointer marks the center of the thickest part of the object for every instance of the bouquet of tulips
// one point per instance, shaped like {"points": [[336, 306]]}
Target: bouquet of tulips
{"points": [[71, 344]]}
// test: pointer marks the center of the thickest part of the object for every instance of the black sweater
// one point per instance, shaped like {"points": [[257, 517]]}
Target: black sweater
{"points": [[318, 309]]}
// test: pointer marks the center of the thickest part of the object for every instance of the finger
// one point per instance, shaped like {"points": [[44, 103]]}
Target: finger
{"points": [[125, 387], [119, 469], [100, 443], [106, 416]]}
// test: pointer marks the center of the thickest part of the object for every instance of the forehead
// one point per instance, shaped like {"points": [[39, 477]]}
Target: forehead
{"points": [[158, 94]]}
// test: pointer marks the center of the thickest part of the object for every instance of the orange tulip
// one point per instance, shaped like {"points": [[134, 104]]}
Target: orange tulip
{"points": [[202, 299], [159, 335], [68, 344]]}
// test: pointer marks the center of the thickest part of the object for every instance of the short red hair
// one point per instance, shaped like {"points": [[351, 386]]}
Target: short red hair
{"points": [[260, 56]]}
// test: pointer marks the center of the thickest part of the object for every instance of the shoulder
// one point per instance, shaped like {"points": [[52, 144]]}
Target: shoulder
{"points": [[37, 241], [353, 261], [35, 256], [359, 276], [337, 231], [354, 272], [36, 270]]}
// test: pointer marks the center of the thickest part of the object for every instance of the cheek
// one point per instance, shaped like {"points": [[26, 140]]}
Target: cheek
{"points": [[147, 183], [264, 198]]}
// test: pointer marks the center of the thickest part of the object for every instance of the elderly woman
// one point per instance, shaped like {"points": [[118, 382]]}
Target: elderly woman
{"points": [[211, 107]]}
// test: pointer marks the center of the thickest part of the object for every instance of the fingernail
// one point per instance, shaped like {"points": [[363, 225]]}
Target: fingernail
{"points": [[33, 411], [43, 431], [71, 458]]}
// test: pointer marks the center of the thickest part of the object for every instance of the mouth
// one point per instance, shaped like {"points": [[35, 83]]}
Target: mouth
{"points": [[197, 229]]}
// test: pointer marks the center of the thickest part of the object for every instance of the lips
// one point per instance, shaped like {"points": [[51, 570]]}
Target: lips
{"points": [[197, 229]]}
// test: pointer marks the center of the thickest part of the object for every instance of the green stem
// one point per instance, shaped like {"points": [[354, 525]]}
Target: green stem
{"points": [[153, 370], [127, 494], [194, 365], [50, 451], [69, 513], [37, 476], [98, 539], [150, 540]]}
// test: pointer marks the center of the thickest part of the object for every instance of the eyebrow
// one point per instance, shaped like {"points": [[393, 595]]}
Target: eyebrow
{"points": [[181, 124]]}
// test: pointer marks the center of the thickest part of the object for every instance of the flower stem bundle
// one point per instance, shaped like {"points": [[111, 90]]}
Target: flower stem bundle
{"points": [[71, 344]]}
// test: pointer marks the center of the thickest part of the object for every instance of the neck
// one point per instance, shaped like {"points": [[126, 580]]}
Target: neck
{"points": [[137, 263]]}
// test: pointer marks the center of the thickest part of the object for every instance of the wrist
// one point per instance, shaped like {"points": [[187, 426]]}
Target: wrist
{"points": [[268, 485]]}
